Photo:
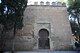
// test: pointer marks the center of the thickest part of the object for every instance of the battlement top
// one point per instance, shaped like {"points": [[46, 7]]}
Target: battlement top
{"points": [[49, 3]]}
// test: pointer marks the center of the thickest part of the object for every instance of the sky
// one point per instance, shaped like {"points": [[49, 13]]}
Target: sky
{"points": [[0, 1]]}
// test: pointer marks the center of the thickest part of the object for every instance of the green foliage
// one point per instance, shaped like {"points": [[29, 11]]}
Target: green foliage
{"points": [[74, 10], [74, 28], [74, 5], [70, 2], [14, 13]]}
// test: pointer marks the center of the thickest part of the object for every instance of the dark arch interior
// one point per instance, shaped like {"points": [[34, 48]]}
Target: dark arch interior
{"points": [[43, 33], [43, 40]]}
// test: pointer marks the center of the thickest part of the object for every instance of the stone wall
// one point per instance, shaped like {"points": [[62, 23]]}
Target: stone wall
{"points": [[52, 18]]}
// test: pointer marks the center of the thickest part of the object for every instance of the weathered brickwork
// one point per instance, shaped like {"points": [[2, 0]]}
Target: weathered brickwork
{"points": [[52, 18]]}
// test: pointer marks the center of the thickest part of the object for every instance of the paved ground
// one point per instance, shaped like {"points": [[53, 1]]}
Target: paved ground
{"points": [[48, 52]]}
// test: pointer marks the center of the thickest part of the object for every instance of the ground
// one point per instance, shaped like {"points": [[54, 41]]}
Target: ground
{"points": [[48, 52]]}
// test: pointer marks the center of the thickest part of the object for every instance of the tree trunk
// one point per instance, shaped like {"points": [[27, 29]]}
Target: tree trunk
{"points": [[14, 32], [2, 40], [14, 29]]}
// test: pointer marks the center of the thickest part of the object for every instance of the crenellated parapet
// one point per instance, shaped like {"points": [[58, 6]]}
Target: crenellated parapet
{"points": [[48, 3]]}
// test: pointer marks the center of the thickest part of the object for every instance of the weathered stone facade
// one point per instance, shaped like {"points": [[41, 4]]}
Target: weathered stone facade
{"points": [[52, 18]]}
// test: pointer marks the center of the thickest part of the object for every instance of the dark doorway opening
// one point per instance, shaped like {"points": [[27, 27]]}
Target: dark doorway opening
{"points": [[44, 40]]}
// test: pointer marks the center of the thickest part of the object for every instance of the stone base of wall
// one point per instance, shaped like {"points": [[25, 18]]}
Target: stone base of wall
{"points": [[20, 44], [62, 46], [23, 43], [28, 46]]}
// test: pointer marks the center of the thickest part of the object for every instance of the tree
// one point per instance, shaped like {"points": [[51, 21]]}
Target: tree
{"points": [[11, 14], [74, 10]]}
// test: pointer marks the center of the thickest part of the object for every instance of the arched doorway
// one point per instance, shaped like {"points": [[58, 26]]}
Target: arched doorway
{"points": [[43, 39]]}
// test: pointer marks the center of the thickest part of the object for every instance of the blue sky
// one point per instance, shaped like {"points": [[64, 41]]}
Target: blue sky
{"points": [[0, 1]]}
